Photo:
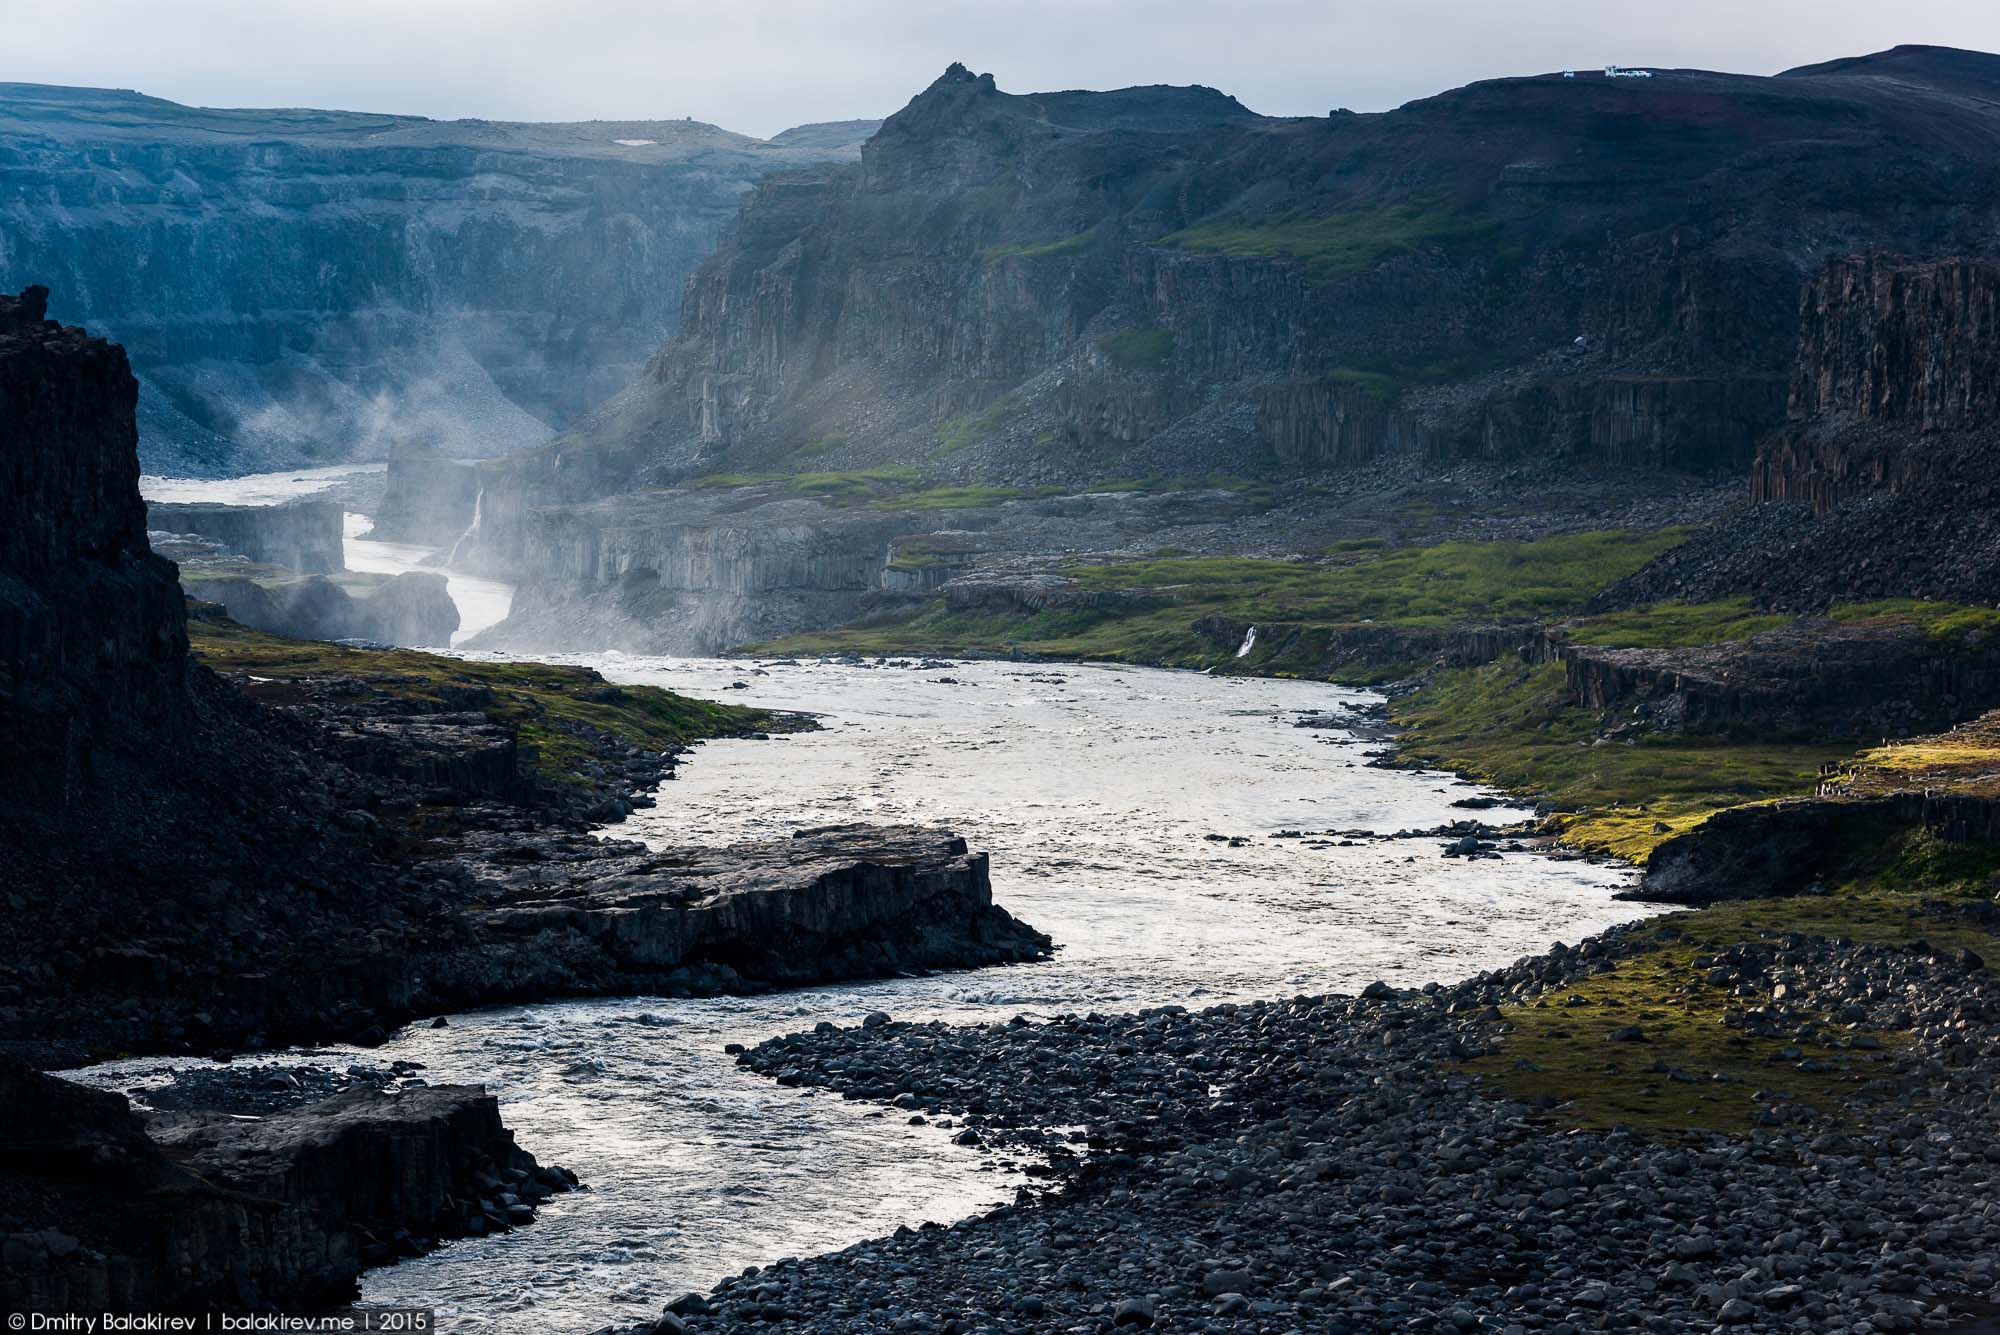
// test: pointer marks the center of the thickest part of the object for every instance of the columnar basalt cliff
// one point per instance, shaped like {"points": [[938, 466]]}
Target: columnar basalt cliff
{"points": [[91, 626], [314, 285], [1882, 482], [1899, 360]]}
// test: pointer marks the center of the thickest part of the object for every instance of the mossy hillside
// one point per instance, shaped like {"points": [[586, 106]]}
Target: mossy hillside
{"points": [[1883, 895], [1138, 349], [1342, 244], [534, 698], [1439, 585], [968, 429], [1674, 625], [1946, 623], [1514, 726], [1690, 625], [1078, 244]]}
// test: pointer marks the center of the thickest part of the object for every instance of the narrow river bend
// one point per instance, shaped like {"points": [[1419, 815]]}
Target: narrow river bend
{"points": [[1100, 793]]}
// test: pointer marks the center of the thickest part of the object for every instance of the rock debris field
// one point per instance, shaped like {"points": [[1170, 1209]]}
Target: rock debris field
{"points": [[1325, 1165]]}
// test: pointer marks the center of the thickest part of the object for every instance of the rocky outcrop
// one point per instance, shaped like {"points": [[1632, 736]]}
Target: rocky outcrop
{"points": [[219, 1213], [299, 535], [300, 285], [92, 633], [413, 609], [840, 901], [428, 499], [1873, 678]]}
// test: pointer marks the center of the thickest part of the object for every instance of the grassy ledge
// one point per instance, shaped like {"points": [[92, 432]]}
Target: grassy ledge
{"points": [[534, 698]]}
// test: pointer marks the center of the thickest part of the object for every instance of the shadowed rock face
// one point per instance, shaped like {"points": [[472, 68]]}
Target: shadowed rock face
{"points": [[302, 285], [92, 630], [300, 535], [214, 1213], [1882, 482]]}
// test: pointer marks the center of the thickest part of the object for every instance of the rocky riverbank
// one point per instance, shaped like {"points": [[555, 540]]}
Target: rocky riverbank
{"points": [[1357, 1164], [206, 1208]]}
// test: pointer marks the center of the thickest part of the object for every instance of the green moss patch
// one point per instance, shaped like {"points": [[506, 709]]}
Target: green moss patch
{"points": [[1675, 625], [1688, 1070], [532, 697], [1514, 726], [1333, 246]]}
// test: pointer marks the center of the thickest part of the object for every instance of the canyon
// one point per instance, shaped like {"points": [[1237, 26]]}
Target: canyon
{"points": [[1017, 305], [303, 286], [313, 843]]}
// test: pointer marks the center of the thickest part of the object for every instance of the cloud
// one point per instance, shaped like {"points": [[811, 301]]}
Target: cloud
{"points": [[762, 65]]}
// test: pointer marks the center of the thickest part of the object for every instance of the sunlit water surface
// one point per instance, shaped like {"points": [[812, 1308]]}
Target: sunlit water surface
{"points": [[1095, 790]]}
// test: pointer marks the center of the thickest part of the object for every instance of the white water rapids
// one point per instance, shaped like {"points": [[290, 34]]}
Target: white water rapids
{"points": [[1096, 791]]}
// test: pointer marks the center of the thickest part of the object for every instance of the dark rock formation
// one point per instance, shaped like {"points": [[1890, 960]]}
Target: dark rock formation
{"points": [[841, 901], [91, 627], [301, 285], [1855, 679], [216, 1213], [299, 535], [1883, 481]]}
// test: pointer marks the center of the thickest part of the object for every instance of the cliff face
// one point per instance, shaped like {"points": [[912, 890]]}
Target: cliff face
{"points": [[1069, 284], [315, 285], [92, 633], [1898, 359], [1882, 482]]}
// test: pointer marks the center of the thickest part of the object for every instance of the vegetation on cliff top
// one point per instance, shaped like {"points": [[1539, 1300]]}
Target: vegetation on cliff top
{"points": [[535, 698], [1513, 726], [1339, 245]]}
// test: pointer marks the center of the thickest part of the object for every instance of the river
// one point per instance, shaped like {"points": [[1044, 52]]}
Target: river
{"points": [[1130, 813]]}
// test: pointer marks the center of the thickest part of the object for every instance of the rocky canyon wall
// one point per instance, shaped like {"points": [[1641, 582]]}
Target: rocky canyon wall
{"points": [[1898, 366], [93, 638], [297, 285]]}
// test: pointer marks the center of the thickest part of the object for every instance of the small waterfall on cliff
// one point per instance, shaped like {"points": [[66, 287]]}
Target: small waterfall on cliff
{"points": [[1249, 643], [478, 509]]}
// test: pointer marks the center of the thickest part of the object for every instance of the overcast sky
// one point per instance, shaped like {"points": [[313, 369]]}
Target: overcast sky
{"points": [[761, 65]]}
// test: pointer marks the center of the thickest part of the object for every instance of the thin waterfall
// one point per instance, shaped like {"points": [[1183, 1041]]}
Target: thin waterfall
{"points": [[478, 509], [1249, 643]]}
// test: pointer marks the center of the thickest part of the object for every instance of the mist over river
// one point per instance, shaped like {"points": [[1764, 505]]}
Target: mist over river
{"points": [[1096, 790]]}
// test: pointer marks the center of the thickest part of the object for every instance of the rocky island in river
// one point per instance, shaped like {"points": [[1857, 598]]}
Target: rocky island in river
{"points": [[1630, 435]]}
